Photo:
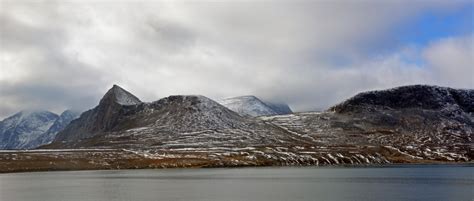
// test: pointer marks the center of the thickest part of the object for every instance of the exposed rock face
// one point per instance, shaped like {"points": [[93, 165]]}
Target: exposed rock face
{"points": [[120, 96], [23, 128], [102, 118], [253, 107]]}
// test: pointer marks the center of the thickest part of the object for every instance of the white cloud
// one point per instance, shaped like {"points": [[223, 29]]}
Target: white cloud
{"points": [[452, 61], [59, 55]]}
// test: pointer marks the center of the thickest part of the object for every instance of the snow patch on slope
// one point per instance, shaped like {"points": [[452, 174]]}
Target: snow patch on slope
{"points": [[248, 106]]}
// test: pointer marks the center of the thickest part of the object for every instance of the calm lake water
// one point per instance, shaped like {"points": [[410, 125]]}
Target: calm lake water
{"points": [[252, 184]]}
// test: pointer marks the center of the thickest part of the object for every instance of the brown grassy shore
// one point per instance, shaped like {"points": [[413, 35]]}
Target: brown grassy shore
{"points": [[108, 159]]}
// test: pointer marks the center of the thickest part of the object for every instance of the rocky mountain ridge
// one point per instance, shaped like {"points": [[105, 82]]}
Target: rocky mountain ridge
{"points": [[367, 128], [410, 124], [101, 118], [170, 122]]}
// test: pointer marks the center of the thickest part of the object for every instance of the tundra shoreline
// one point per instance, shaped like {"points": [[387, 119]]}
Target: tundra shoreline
{"points": [[109, 159]]}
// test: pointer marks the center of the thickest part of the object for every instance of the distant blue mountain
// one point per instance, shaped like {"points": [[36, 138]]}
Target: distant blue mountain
{"points": [[30, 129]]}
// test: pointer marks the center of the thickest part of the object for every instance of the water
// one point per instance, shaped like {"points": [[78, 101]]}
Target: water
{"points": [[246, 184]]}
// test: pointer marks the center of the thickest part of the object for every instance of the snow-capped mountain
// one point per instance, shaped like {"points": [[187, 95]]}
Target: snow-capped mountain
{"points": [[19, 130], [252, 106], [411, 124], [61, 122], [171, 122]]}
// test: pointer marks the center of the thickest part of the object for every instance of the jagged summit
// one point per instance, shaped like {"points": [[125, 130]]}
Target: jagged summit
{"points": [[252, 106], [103, 117], [119, 95], [412, 96]]}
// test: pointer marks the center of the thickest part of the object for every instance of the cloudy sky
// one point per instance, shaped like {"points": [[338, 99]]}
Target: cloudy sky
{"points": [[310, 54]]}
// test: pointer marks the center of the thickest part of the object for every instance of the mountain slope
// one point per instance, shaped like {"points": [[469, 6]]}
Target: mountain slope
{"points": [[252, 106], [407, 123], [61, 122], [17, 131], [174, 121], [101, 118], [194, 131]]}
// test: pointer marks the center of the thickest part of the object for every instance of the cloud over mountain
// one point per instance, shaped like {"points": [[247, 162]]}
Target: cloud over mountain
{"points": [[309, 54]]}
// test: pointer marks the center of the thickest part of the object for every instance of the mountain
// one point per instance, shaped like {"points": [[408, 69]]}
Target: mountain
{"points": [[119, 96], [406, 124], [253, 107], [410, 124], [171, 122], [403, 124], [19, 130], [61, 122], [101, 118], [415, 96]]}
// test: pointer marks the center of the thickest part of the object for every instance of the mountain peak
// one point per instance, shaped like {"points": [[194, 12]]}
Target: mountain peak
{"points": [[119, 95]]}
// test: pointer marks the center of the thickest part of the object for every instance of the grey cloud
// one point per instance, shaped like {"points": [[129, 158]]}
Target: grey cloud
{"points": [[65, 55], [169, 34], [47, 77], [452, 61]]}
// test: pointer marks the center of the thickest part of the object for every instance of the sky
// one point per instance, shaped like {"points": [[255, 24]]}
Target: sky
{"points": [[57, 55]]}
